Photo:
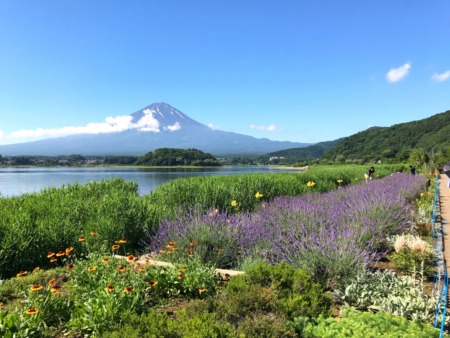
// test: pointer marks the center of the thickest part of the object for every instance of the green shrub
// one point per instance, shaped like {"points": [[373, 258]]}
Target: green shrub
{"points": [[367, 325], [387, 292]]}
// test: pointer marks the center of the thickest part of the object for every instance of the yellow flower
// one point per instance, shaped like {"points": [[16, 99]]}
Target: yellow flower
{"points": [[36, 287], [109, 288], [81, 239], [51, 281], [60, 253], [311, 184], [131, 258], [54, 289], [258, 195], [128, 290], [92, 268], [36, 269], [201, 290], [340, 181], [153, 283], [234, 203], [32, 311], [115, 247], [105, 260]]}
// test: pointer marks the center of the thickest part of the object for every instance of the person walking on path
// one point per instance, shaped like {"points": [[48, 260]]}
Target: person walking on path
{"points": [[369, 174]]}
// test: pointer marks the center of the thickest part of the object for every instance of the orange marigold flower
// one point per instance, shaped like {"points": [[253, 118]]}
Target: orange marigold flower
{"points": [[180, 276], [36, 269], [109, 288], [153, 283], [68, 251], [53, 259], [141, 269], [115, 247], [163, 250], [50, 254], [32, 311], [193, 243], [128, 290], [92, 268], [36, 287], [81, 239], [201, 290], [51, 281], [70, 266], [121, 241], [94, 233], [181, 270], [130, 258], [121, 268], [60, 253], [105, 260], [54, 289]]}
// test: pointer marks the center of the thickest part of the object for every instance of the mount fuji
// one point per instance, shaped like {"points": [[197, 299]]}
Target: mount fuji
{"points": [[158, 125]]}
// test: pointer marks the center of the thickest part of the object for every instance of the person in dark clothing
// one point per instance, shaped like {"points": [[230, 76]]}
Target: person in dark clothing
{"points": [[369, 174], [412, 170]]}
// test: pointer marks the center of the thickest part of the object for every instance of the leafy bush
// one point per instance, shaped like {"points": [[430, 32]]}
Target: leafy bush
{"points": [[367, 325], [385, 291]]}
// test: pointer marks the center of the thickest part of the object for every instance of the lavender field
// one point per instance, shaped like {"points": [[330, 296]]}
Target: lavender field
{"points": [[332, 235]]}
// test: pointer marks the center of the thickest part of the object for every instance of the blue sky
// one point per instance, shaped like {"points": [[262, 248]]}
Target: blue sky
{"points": [[305, 71]]}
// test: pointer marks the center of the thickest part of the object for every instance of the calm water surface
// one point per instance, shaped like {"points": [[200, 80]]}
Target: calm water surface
{"points": [[17, 181]]}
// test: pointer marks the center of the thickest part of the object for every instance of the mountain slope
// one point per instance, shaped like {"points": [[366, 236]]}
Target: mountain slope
{"points": [[306, 153], [394, 141], [158, 125]]}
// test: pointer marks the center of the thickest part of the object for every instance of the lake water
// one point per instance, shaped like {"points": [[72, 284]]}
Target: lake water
{"points": [[17, 181]]}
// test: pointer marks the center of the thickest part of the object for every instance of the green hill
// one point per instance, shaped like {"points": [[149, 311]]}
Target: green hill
{"points": [[394, 142], [306, 153]]}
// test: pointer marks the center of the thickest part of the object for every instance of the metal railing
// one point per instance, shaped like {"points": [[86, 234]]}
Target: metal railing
{"points": [[441, 277]]}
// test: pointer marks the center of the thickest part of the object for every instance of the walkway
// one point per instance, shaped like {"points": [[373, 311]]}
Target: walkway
{"points": [[444, 206]]}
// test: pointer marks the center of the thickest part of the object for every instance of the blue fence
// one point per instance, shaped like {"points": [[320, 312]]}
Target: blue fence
{"points": [[441, 277]]}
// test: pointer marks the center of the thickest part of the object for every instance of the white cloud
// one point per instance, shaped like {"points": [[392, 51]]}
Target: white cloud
{"points": [[396, 74], [270, 127], [212, 126], [174, 127], [441, 77], [147, 123]]}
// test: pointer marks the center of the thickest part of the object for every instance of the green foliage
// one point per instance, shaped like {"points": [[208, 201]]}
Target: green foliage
{"points": [[33, 224], [367, 325], [387, 292], [372, 143], [219, 191], [92, 295], [155, 324], [177, 157], [305, 153]]}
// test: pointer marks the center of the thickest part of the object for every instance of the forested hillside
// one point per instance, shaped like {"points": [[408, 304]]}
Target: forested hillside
{"points": [[174, 157], [307, 153], [395, 142]]}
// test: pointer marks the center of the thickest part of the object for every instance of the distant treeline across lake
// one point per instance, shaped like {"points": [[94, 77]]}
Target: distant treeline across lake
{"points": [[17, 181]]}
